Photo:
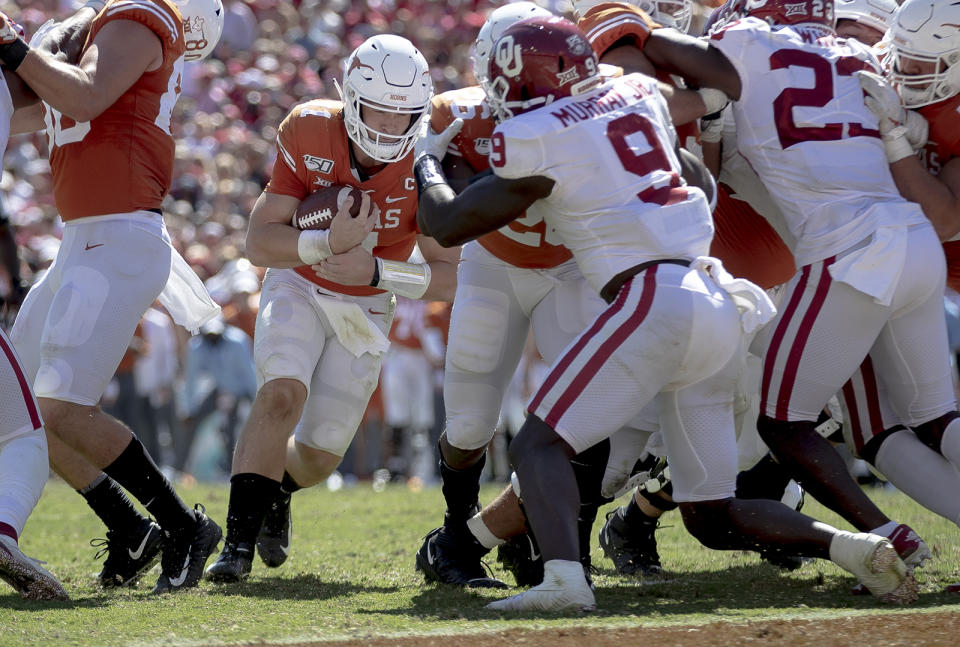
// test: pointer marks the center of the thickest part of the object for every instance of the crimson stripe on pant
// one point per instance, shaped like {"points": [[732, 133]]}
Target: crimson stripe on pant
{"points": [[871, 394], [774, 348], [28, 398], [606, 349], [571, 355]]}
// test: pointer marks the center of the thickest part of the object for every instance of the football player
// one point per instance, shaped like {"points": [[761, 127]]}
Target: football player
{"points": [[328, 297], [922, 68], [817, 341], [111, 155], [509, 281], [670, 330]]}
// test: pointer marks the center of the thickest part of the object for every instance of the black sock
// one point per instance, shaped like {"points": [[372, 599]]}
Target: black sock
{"points": [[287, 484], [136, 471], [634, 516], [461, 490], [251, 496], [765, 480], [589, 467], [110, 503]]}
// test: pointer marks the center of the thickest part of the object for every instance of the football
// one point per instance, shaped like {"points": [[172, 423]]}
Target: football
{"points": [[316, 211]]}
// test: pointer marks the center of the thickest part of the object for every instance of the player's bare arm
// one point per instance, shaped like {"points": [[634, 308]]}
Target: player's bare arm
{"points": [[630, 57], [937, 195], [694, 59], [458, 172], [120, 54], [272, 241], [484, 206], [696, 173], [443, 263]]}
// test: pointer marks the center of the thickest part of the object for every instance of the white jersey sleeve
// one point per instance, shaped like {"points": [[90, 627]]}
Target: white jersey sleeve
{"points": [[516, 151], [618, 198]]}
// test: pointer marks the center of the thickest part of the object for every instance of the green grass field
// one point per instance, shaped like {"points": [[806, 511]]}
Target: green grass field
{"points": [[350, 576]]}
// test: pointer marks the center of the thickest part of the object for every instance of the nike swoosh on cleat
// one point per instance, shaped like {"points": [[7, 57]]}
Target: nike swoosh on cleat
{"points": [[137, 554], [429, 554], [178, 581]]}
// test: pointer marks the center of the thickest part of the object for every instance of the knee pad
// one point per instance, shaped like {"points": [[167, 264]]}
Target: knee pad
{"points": [[869, 450], [931, 433], [477, 327], [470, 430]]}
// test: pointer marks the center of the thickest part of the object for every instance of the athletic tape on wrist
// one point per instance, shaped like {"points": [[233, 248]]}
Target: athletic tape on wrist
{"points": [[406, 279], [313, 246], [896, 145]]}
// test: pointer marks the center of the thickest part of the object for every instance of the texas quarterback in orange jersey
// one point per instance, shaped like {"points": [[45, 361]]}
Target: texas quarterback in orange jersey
{"points": [[328, 297], [108, 125]]}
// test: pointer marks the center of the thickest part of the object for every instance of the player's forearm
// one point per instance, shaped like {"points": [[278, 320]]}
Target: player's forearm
{"points": [[67, 88], [693, 59], [273, 245], [65, 40], [443, 281], [939, 204], [453, 220]]}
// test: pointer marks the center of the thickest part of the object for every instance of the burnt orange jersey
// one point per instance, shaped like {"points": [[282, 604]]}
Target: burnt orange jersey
{"points": [[747, 244], [943, 144], [527, 241], [413, 318], [610, 22], [122, 160], [314, 152]]}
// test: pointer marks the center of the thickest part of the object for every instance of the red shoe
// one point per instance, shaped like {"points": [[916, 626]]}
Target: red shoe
{"points": [[952, 588], [912, 550]]}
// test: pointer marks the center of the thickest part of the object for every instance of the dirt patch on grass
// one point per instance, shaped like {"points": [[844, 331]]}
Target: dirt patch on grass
{"points": [[907, 630]]}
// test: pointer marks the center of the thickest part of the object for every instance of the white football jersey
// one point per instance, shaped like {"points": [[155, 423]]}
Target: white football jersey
{"points": [[803, 126], [619, 199]]}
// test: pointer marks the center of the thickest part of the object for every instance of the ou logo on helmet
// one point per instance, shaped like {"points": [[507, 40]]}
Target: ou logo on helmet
{"points": [[507, 56]]}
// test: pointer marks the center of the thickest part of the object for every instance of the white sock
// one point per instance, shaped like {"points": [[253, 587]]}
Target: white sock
{"points": [[23, 473], [483, 534], [921, 473]]}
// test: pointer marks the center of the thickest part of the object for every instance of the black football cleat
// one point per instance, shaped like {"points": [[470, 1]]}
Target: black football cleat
{"points": [[633, 551], [521, 556], [273, 541], [128, 556], [185, 553], [444, 559], [233, 565]]}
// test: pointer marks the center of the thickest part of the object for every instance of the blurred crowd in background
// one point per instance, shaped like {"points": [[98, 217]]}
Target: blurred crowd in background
{"points": [[186, 397]]}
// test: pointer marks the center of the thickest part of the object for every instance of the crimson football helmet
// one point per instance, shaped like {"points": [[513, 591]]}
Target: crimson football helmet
{"points": [[537, 61], [785, 12]]}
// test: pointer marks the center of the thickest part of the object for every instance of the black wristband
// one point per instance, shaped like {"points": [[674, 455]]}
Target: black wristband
{"points": [[428, 172], [376, 274], [12, 54]]}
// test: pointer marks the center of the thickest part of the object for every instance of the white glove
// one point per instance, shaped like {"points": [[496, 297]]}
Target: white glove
{"points": [[884, 102], [436, 144]]}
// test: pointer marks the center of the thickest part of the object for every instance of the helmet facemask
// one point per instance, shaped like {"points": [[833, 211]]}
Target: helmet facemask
{"points": [[388, 74]]}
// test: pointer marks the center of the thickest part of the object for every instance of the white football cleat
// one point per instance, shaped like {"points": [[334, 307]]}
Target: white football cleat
{"points": [[32, 581], [564, 587], [875, 562]]}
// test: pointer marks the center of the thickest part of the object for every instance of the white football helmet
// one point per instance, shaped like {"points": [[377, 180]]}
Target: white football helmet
{"points": [[388, 73], [872, 13], [497, 22], [202, 26], [668, 13], [925, 31]]}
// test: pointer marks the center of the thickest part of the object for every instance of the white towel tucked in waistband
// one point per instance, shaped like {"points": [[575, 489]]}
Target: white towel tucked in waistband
{"points": [[754, 305], [354, 330], [185, 297], [875, 268]]}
